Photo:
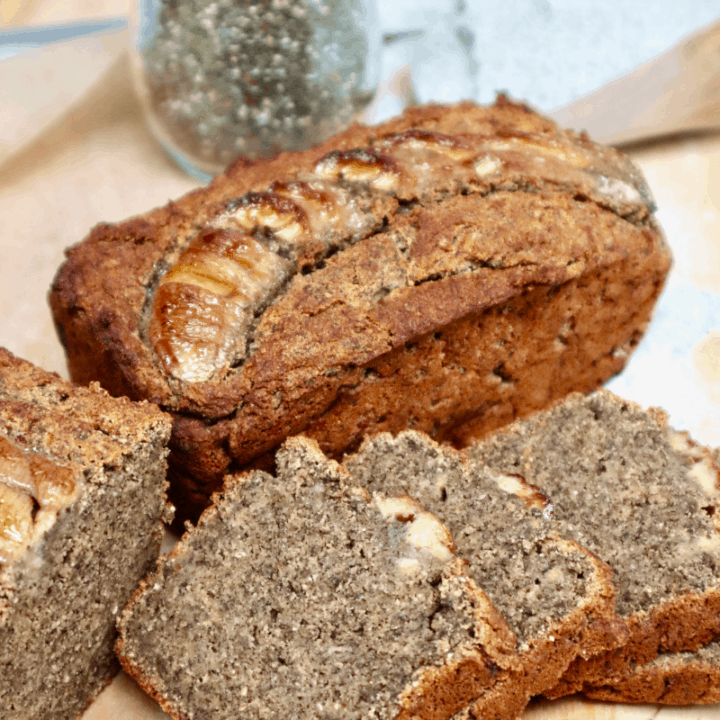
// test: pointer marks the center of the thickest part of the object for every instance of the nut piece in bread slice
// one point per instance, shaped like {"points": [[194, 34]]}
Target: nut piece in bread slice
{"points": [[644, 499], [555, 596], [447, 271], [82, 499]]}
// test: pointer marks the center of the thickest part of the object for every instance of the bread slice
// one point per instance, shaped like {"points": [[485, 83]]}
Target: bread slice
{"points": [[304, 591], [555, 596], [683, 678], [447, 271], [643, 498], [82, 494], [298, 591]]}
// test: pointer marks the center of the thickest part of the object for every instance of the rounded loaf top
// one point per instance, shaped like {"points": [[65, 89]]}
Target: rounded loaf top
{"points": [[203, 271]]}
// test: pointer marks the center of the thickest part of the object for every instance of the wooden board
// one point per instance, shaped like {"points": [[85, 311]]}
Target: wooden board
{"points": [[677, 92]]}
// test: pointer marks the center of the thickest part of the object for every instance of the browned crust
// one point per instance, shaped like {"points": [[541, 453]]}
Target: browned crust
{"points": [[515, 243], [99, 292], [681, 679], [683, 624], [41, 410]]}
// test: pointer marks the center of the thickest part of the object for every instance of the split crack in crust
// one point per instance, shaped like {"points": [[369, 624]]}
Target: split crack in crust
{"points": [[401, 235]]}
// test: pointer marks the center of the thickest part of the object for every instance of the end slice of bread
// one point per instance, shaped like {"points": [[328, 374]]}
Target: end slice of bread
{"points": [[82, 498]]}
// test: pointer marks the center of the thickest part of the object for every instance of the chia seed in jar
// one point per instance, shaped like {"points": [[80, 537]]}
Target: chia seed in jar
{"points": [[223, 78]]}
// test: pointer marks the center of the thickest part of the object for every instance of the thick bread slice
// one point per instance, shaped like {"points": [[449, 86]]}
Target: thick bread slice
{"points": [[684, 678], [641, 496], [447, 271], [298, 591], [82, 498], [555, 596]]}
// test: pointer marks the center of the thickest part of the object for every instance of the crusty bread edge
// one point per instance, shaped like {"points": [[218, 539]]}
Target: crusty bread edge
{"points": [[676, 682]]}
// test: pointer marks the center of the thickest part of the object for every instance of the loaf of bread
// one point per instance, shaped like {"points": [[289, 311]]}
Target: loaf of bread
{"points": [[448, 271], [82, 498], [303, 591], [644, 499]]}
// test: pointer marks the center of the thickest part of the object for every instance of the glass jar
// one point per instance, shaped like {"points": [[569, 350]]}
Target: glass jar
{"points": [[223, 78]]}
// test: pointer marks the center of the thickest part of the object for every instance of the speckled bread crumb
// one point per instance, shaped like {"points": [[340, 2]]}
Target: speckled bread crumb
{"points": [[62, 587], [474, 265], [296, 591], [643, 498], [556, 597]]}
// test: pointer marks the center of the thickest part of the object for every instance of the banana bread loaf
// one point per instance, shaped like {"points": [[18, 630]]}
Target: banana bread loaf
{"points": [[644, 499], [304, 591], [82, 494], [448, 271]]}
